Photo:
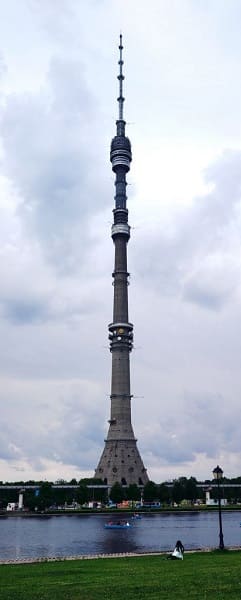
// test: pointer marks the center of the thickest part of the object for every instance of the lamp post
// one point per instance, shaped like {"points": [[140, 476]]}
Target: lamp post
{"points": [[217, 474]]}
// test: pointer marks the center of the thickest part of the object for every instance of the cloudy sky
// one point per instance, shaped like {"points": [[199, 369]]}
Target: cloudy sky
{"points": [[58, 66]]}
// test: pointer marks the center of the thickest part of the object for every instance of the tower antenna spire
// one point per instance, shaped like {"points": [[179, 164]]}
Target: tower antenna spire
{"points": [[121, 78]]}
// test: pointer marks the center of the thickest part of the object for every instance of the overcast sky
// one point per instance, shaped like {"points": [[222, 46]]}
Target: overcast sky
{"points": [[58, 67]]}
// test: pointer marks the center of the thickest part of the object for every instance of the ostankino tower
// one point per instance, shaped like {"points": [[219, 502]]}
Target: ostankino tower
{"points": [[121, 460]]}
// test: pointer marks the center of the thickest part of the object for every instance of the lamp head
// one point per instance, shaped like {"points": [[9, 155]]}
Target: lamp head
{"points": [[217, 473]]}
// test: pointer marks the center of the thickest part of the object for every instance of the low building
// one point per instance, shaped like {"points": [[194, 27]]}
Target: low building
{"points": [[12, 506]]}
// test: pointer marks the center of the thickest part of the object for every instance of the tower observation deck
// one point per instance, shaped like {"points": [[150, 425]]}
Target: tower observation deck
{"points": [[121, 460]]}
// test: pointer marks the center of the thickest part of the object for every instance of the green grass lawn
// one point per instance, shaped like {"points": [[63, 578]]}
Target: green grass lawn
{"points": [[212, 575]]}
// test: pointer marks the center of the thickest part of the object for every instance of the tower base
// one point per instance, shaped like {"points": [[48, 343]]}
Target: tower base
{"points": [[121, 461]]}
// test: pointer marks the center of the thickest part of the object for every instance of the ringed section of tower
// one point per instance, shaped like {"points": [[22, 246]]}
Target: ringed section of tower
{"points": [[120, 330], [121, 460]]}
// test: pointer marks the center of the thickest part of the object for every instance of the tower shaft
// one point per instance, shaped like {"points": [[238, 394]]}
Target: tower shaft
{"points": [[121, 460]]}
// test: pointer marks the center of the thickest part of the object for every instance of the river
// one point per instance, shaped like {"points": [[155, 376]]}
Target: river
{"points": [[74, 535]]}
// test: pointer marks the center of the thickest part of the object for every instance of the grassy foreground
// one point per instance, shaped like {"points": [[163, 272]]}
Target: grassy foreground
{"points": [[213, 575]]}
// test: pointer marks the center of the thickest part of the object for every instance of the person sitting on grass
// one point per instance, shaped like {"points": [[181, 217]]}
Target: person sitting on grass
{"points": [[178, 551]]}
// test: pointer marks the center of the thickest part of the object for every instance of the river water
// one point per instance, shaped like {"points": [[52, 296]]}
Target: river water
{"points": [[58, 536]]}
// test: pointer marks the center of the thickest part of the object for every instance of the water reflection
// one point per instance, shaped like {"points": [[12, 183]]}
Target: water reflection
{"points": [[125, 540]]}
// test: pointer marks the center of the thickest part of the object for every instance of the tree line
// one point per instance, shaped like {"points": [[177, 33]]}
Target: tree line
{"points": [[180, 490]]}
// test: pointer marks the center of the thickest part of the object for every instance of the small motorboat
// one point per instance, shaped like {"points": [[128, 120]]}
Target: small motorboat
{"points": [[117, 525], [136, 516]]}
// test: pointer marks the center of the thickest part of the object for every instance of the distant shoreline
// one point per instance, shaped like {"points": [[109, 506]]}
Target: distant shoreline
{"points": [[115, 511]]}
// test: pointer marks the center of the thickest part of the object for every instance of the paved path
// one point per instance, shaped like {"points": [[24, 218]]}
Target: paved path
{"points": [[22, 561]]}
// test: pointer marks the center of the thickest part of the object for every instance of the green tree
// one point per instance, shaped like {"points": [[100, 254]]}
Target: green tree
{"points": [[191, 490], [45, 497], [150, 491], [63, 495], [96, 494], [8, 496], [91, 481], [178, 491], [133, 492], [164, 493], [117, 493], [82, 495], [29, 499]]}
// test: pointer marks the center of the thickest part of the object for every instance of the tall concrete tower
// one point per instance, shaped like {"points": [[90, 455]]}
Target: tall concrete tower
{"points": [[121, 460]]}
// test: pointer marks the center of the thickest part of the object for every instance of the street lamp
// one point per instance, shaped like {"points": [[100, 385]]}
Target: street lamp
{"points": [[217, 474]]}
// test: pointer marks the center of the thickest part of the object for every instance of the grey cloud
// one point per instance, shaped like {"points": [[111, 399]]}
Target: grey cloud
{"points": [[6, 451], [55, 434], [204, 297], [51, 157], [70, 94], [54, 146], [214, 281], [196, 424], [198, 261], [3, 67], [59, 22], [21, 312]]}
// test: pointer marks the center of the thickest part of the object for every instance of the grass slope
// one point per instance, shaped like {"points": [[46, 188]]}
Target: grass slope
{"points": [[215, 575]]}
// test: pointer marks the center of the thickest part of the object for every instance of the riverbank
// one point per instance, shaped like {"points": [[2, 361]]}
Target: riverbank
{"points": [[44, 559], [151, 577], [118, 511]]}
